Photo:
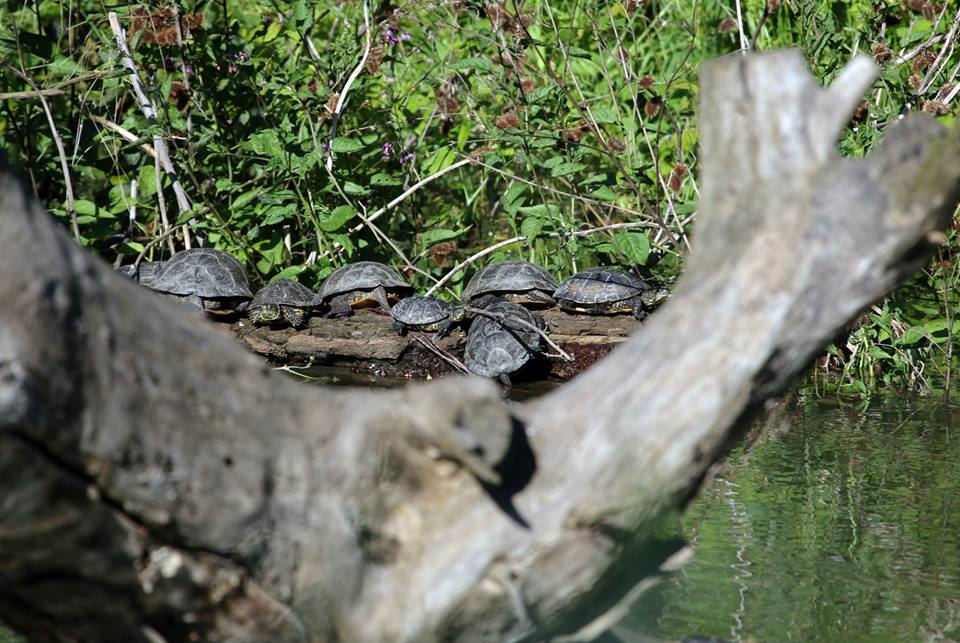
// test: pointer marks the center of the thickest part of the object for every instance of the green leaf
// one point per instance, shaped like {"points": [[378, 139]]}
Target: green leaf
{"points": [[244, 199], [266, 143], [542, 210], [272, 32], [436, 235], [513, 198], [336, 219], [83, 206], [603, 115], [553, 162], [912, 335], [352, 188], [565, 169], [604, 193], [384, 179], [477, 64], [636, 245], [441, 160], [342, 145], [275, 214], [577, 52], [532, 226], [288, 273]]}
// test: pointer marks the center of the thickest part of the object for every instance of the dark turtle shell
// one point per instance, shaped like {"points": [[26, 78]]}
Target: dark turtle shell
{"points": [[285, 292], [509, 277], [600, 286], [363, 275], [420, 311], [204, 272], [496, 347]]}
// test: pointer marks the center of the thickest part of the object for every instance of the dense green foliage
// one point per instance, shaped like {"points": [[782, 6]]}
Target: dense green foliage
{"points": [[538, 124]]}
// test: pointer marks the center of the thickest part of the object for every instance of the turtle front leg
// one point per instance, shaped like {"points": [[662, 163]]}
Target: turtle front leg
{"points": [[340, 307], [194, 301], [639, 312], [400, 328], [296, 317], [379, 294]]}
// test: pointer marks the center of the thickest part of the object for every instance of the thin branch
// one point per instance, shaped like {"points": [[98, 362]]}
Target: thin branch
{"points": [[64, 167], [941, 58], [442, 354], [148, 109], [335, 121], [503, 318], [744, 43], [469, 260], [124, 133]]}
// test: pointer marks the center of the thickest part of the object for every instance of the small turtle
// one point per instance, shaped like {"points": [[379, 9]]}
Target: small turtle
{"points": [[144, 274], [208, 279], [604, 291], [425, 314], [498, 346], [517, 281], [282, 300], [361, 285]]}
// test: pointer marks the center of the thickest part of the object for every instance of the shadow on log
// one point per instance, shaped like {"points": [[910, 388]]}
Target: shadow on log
{"points": [[157, 482]]}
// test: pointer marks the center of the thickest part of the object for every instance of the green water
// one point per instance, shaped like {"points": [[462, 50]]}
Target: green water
{"points": [[846, 528], [842, 528]]}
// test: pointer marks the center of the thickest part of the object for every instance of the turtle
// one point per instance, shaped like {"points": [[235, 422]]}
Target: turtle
{"points": [[519, 282], [282, 300], [498, 346], [205, 278], [361, 285], [144, 274], [604, 291], [425, 314]]}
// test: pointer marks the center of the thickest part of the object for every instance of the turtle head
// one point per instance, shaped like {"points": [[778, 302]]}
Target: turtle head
{"points": [[654, 296]]}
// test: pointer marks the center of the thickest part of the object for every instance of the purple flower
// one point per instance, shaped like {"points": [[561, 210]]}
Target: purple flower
{"points": [[233, 69], [405, 36], [326, 147], [406, 158], [387, 149]]}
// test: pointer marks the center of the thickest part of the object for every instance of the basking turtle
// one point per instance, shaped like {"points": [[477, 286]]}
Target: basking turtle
{"points": [[517, 281], [205, 278], [362, 285], [144, 274], [498, 346], [282, 300], [605, 291], [425, 314]]}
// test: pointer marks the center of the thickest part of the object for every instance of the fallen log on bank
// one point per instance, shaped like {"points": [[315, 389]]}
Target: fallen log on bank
{"points": [[159, 483], [368, 342]]}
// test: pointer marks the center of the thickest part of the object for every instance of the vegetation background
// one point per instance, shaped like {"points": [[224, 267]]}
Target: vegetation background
{"points": [[439, 135]]}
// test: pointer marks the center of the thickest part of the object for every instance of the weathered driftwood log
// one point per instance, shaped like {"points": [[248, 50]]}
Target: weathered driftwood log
{"points": [[157, 482], [368, 341]]}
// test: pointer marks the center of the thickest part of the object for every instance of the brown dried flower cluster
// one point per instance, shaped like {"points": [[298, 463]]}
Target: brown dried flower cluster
{"points": [[508, 120], [375, 59], [652, 106], [446, 101], [927, 9], [179, 95], [577, 133], [881, 52], [616, 145], [443, 251], [727, 25], [646, 82], [936, 107], [677, 175], [922, 60], [159, 27], [501, 18], [861, 111]]}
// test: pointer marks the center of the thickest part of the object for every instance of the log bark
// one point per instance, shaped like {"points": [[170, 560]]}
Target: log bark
{"points": [[159, 483], [367, 343]]}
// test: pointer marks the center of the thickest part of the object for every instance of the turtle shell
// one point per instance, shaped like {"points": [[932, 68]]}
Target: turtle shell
{"points": [[420, 311], [285, 292], [363, 275], [600, 286], [496, 347], [509, 276], [204, 272]]}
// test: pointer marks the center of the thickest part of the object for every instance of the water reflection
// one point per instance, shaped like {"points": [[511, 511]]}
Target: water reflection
{"points": [[843, 529]]}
